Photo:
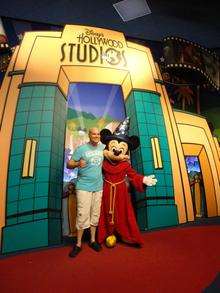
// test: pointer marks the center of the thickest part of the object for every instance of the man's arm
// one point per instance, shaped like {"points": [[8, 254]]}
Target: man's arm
{"points": [[76, 160], [71, 164]]}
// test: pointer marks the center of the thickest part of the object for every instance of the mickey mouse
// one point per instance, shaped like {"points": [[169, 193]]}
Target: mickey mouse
{"points": [[117, 215]]}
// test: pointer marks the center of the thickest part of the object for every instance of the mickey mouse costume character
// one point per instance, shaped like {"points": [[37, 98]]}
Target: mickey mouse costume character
{"points": [[117, 215]]}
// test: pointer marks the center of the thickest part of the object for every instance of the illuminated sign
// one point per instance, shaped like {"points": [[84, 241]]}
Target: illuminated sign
{"points": [[91, 46]]}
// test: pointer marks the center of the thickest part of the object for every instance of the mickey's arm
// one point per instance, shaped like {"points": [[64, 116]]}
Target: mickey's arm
{"points": [[138, 180]]}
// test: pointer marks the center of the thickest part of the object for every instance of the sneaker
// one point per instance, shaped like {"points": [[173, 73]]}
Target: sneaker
{"points": [[95, 246], [76, 250]]}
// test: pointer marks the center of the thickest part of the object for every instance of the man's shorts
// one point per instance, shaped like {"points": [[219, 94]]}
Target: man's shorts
{"points": [[88, 208]]}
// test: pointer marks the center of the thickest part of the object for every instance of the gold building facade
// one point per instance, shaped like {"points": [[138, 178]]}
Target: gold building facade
{"points": [[37, 81]]}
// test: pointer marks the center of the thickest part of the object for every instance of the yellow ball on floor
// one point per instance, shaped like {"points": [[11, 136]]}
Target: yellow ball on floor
{"points": [[110, 241]]}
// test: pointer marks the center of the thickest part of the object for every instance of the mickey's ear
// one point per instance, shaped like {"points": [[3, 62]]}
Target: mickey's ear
{"points": [[134, 142], [104, 133]]}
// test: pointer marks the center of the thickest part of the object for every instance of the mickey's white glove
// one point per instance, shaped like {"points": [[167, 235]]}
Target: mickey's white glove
{"points": [[149, 180]]}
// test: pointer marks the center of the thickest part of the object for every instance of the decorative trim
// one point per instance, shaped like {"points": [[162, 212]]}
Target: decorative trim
{"points": [[160, 81], [217, 146], [36, 83], [189, 42], [29, 158], [25, 84], [154, 198], [33, 213], [146, 91], [156, 153], [179, 64], [16, 72]]}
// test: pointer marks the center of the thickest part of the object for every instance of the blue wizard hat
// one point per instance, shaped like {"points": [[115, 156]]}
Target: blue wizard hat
{"points": [[121, 134]]}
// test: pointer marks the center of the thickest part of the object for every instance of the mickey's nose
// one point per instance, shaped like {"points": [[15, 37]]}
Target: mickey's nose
{"points": [[117, 152]]}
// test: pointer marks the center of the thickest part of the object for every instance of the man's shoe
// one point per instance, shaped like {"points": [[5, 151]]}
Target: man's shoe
{"points": [[95, 246], [76, 250]]}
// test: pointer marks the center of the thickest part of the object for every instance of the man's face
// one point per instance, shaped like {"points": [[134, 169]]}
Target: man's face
{"points": [[94, 136]]}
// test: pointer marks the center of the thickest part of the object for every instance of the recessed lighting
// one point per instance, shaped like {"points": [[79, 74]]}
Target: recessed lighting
{"points": [[132, 9]]}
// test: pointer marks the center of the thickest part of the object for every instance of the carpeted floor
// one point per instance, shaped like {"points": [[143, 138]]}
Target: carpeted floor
{"points": [[175, 260]]}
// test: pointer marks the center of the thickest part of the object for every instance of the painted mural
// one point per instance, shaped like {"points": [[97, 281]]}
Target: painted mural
{"points": [[82, 114], [196, 186]]}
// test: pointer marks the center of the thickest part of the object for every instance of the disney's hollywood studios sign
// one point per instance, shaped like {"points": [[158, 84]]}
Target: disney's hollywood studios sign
{"points": [[94, 47]]}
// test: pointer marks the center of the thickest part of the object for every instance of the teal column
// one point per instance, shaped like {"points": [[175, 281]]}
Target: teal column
{"points": [[155, 207], [33, 209]]}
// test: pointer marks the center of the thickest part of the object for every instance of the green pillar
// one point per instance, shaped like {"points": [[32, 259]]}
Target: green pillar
{"points": [[33, 208], [155, 207]]}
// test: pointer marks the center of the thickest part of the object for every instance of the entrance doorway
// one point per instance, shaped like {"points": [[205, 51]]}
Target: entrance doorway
{"points": [[201, 180], [88, 105], [196, 186]]}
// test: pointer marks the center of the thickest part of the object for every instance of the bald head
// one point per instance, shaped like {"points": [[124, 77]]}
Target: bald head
{"points": [[93, 130], [94, 135]]}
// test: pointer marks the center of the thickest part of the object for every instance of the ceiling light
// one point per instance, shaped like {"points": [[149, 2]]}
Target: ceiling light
{"points": [[131, 9]]}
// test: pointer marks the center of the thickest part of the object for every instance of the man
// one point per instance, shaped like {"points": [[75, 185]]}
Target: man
{"points": [[88, 158]]}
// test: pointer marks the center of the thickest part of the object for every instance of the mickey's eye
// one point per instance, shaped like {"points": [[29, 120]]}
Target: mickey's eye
{"points": [[123, 147], [122, 151]]}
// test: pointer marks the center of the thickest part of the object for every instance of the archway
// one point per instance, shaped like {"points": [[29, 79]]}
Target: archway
{"points": [[210, 193]]}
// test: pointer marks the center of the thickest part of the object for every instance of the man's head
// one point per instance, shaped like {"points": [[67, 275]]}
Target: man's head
{"points": [[94, 136]]}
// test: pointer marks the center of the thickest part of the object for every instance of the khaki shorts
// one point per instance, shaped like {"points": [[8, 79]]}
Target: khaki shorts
{"points": [[88, 208]]}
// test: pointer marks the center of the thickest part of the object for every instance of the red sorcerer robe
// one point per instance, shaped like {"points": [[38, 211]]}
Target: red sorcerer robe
{"points": [[117, 214]]}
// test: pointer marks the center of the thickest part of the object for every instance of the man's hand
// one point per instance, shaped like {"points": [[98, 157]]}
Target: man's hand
{"points": [[150, 180], [71, 164], [81, 163]]}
